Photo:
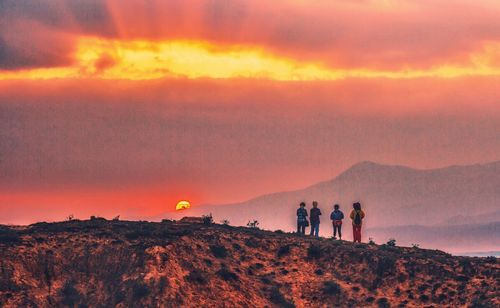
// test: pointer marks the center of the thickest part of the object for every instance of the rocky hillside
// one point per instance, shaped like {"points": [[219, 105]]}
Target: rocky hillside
{"points": [[101, 263]]}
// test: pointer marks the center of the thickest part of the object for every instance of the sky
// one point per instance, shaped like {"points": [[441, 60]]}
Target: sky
{"points": [[126, 107]]}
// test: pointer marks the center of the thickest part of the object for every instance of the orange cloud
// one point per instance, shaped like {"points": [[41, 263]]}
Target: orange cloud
{"points": [[373, 35], [143, 60]]}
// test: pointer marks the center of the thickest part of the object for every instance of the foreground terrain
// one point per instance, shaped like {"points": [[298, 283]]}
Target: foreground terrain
{"points": [[99, 263]]}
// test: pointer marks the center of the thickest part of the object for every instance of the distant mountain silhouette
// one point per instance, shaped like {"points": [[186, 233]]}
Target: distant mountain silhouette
{"points": [[391, 196]]}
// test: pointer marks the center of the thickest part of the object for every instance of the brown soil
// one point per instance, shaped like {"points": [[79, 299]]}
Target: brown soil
{"points": [[101, 263]]}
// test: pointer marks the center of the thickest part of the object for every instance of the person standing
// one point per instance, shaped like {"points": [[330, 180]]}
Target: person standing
{"points": [[357, 216], [336, 216], [314, 217], [301, 218]]}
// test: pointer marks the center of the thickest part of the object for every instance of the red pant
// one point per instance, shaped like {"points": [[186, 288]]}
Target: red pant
{"points": [[356, 231]]}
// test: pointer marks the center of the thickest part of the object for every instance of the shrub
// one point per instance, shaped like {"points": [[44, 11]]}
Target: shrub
{"points": [[70, 296], [391, 242], [207, 219], [371, 241], [252, 243], [277, 298], [283, 251], [415, 246], [383, 303], [424, 298], [8, 237], [139, 290], [219, 251], [319, 272], [227, 275], [225, 222], [253, 224], [385, 265], [196, 276], [279, 231], [331, 288], [314, 251], [491, 259]]}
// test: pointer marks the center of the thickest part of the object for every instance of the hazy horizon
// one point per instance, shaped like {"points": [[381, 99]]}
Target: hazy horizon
{"points": [[120, 108]]}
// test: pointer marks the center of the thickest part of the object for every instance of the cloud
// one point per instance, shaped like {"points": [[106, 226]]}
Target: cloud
{"points": [[339, 34]]}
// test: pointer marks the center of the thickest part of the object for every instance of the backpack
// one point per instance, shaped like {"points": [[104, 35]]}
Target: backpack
{"points": [[357, 218]]}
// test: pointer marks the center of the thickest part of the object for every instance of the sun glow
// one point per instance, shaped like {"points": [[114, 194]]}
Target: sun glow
{"points": [[182, 205], [144, 60]]}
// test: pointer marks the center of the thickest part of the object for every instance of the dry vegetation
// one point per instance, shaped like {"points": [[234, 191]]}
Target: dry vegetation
{"points": [[101, 263]]}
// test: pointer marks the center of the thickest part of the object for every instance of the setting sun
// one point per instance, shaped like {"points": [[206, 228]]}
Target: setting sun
{"points": [[182, 205]]}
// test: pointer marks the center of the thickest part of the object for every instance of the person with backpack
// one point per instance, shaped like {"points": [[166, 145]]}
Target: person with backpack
{"points": [[336, 217], [357, 216], [302, 222], [314, 217]]}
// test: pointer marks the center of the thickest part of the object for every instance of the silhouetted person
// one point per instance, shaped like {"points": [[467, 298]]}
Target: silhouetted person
{"points": [[301, 219], [336, 216], [314, 218], [357, 216]]}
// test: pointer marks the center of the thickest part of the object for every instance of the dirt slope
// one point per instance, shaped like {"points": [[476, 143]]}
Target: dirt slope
{"points": [[102, 263]]}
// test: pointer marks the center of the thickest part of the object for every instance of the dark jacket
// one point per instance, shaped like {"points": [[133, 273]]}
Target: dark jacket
{"points": [[337, 215], [315, 212], [301, 214]]}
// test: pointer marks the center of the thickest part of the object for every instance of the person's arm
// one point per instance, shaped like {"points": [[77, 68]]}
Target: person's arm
{"points": [[341, 215], [362, 214], [319, 212], [331, 216]]}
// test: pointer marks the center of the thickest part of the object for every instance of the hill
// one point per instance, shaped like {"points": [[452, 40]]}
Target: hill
{"points": [[391, 196], [101, 263]]}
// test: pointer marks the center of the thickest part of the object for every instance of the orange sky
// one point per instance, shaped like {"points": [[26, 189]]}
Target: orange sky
{"points": [[127, 107]]}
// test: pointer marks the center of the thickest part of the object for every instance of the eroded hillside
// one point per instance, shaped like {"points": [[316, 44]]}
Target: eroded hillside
{"points": [[102, 263]]}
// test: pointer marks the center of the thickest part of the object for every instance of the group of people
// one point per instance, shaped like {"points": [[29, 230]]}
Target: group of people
{"points": [[357, 216]]}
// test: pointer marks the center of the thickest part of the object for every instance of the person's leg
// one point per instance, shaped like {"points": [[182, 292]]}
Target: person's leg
{"points": [[316, 232], [298, 226], [339, 227], [357, 234], [312, 228], [334, 230]]}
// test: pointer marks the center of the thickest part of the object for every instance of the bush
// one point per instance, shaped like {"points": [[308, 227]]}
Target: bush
{"points": [[225, 222], [196, 276], [227, 275], [207, 219], [415, 246], [253, 224], [383, 303], [314, 251], [283, 251], [391, 242], [70, 296], [219, 251], [252, 243], [371, 241], [424, 298], [139, 290], [331, 288], [9, 237], [385, 265], [277, 298]]}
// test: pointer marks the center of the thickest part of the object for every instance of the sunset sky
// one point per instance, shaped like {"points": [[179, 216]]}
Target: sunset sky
{"points": [[126, 106]]}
